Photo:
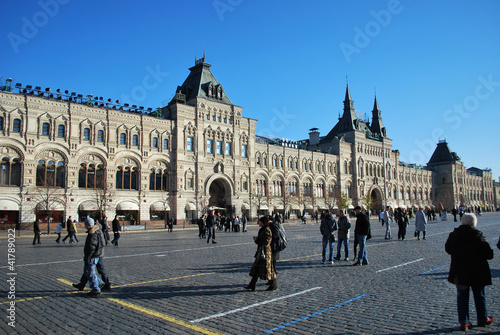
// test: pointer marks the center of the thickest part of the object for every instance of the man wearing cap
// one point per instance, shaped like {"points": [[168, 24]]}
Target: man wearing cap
{"points": [[94, 248], [362, 230]]}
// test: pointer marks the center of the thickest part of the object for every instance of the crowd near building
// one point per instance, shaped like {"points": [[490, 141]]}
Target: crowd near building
{"points": [[64, 153]]}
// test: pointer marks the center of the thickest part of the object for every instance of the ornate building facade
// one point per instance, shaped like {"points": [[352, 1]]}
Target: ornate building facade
{"points": [[69, 154]]}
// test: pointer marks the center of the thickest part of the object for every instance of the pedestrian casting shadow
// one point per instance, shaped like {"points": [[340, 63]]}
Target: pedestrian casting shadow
{"points": [[437, 275]]}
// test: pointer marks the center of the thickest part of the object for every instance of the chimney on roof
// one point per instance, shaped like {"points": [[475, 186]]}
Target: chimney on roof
{"points": [[313, 136]]}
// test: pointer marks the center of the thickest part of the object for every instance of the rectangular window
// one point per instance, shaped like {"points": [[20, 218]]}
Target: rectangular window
{"points": [[190, 182], [45, 129], [165, 144], [135, 140], [245, 186], [123, 138], [1, 123], [100, 136], [61, 130], [189, 143], [228, 148], [244, 150], [86, 134], [219, 148], [155, 142], [208, 117], [16, 127], [209, 146]]}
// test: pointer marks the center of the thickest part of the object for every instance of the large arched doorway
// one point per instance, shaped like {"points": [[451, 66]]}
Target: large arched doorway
{"points": [[377, 200], [220, 196]]}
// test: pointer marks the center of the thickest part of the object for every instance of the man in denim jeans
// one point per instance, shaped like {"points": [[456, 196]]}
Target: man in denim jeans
{"points": [[327, 228], [344, 225], [362, 230], [94, 248]]}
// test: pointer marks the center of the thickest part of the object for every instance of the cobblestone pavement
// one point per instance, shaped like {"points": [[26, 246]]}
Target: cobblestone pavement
{"points": [[175, 283]]}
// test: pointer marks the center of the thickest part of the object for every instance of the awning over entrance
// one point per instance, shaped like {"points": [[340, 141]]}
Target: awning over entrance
{"points": [[88, 206], [160, 206], [8, 205], [127, 206], [245, 206], [190, 206], [278, 207], [263, 208]]}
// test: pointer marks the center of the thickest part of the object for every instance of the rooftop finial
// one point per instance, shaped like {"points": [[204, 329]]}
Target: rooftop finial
{"points": [[346, 80]]}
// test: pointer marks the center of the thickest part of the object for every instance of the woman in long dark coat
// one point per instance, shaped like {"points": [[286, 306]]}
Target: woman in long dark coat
{"points": [[469, 269], [263, 266]]}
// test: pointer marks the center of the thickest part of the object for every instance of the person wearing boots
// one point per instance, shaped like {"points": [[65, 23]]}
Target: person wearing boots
{"points": [[263, 267], [469, 269]]}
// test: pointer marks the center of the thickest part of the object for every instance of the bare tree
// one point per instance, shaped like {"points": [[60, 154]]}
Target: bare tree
{"points": [[286, 199], [47, 200], [103, 197], [343, 201], [369, 202]]}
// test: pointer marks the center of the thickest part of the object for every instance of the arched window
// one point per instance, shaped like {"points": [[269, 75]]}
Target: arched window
{"points": [[91, 176], [135, 140], [10, 172], [155, 142], [158, 180], [123, 138], [100, 136], [50, 174], [61, 130], [1, 122], [126, 178], [16, 126], [45, 128], [165, 144]]}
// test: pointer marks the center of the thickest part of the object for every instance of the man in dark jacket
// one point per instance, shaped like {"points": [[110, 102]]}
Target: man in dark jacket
{"points": [[469, 268], [362, 230], [211, 222], [36, 231], [115, 226], [93, 250], [327, 228]]}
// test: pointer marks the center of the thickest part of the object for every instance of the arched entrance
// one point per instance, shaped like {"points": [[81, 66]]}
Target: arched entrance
{"points": [[377, 199], [220, 196]]}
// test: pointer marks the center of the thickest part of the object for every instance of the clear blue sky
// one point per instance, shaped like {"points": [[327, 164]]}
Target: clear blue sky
{"points": [[434, 64]]}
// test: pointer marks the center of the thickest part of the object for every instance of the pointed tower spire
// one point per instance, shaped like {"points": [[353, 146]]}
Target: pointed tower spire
{"points": [[377, 126]]}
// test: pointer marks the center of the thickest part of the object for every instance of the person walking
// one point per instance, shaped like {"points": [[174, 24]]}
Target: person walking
{"points": [[387, 222], [469, 269], [402, 220], [362, 230], [344, 225], [36, 231], [244, 224], [59, 231], [93, 250], [420, 223], [278, 242], [211, 225], [237, 223], [263, 267], [327, 228], [105, 229], [69, 222], [201, 227], [115, 226]]}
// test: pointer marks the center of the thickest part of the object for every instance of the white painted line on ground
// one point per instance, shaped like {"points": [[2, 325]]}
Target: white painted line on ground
{"points": [[253, 305], [397, 266]]}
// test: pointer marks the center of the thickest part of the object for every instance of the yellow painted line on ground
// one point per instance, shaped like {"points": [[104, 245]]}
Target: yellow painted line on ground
{"points": [[165, 279], [162, 316], [152, 312]]}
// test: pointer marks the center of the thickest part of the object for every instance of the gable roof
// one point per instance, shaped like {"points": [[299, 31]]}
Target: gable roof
{"points": [[443, 154]]}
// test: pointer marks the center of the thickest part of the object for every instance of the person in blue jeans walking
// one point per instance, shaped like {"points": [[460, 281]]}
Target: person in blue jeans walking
{"points": [[469, 269], [362, 230], [343, 234], [93, 250], [327, 228]]}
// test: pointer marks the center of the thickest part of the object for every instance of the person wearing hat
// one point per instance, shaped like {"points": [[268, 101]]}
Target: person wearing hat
{"points": [[93, 250], [469, 269], [263, 266]]}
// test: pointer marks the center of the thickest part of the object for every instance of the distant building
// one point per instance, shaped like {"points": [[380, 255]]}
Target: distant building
{"points": [[69, 154]]}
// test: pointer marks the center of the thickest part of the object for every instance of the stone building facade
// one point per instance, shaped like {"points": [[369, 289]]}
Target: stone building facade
{"points": [[67, 154]]}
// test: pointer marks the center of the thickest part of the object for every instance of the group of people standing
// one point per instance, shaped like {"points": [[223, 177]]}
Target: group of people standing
{"points": [[207, 225]]}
